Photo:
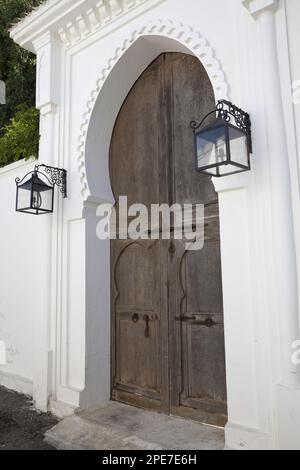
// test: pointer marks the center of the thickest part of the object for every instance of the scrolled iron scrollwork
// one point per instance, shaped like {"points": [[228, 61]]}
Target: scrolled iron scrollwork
{"points": [[194, 125], [57, 177], [228, 111]]}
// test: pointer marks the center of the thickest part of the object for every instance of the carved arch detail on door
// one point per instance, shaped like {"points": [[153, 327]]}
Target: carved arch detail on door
{"points": [[117, 262]]}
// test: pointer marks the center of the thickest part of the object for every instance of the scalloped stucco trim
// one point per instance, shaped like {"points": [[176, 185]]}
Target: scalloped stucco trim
{"points": [[187, 36]]}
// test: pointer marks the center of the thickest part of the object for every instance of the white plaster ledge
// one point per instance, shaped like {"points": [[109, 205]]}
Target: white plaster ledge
{"points": [[48, 108], [232, 182], [255, 7], [94, 201]]}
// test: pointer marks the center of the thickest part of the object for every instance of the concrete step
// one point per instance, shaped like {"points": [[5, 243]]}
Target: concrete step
{"points": [[115, 426]]}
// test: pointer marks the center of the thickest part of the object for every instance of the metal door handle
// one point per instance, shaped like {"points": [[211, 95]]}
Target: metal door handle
{"points": [[208, 322], [147, 331], [186, 318]]}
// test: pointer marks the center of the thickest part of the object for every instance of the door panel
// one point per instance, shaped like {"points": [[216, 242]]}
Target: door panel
{"points": [[167, 311], [135, 146], [191, 98], [138, 314], [139, 300]]}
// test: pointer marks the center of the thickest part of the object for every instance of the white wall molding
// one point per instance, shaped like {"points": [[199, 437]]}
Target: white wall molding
{"points": [[97, 17], [255, 7], [48, 52], [72, 21], [43, 40], [48, 108], [280, 184], [286, 80], [185, 35]]}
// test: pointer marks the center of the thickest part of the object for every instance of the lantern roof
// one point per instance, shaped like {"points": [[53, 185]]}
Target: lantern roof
{"points": [[35, 180], [216, 122]]}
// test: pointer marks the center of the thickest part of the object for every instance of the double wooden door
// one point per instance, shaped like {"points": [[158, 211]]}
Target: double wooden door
{"points": [[167, 312]]}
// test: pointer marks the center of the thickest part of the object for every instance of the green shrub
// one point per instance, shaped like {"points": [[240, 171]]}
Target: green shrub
{"points": [[19, 130], [20, 138]]}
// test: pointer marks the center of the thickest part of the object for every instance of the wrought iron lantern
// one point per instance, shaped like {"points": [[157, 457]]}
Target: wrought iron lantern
{"points": [[35, 192], [223, 147]]}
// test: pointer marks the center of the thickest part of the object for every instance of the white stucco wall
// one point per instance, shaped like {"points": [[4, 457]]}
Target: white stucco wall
{"points": [[25, 290], [21, 265], [55, 292]]}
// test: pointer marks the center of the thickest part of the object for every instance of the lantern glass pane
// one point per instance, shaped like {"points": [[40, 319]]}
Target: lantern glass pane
{"points": [[41, 196], [211, 147], [238, 146], [43, 200], [228, 170], [24, 199]]}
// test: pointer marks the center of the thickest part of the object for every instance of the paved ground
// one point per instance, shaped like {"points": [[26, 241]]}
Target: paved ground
{"points": [[111, 427], [21, 426], [114, 426]]}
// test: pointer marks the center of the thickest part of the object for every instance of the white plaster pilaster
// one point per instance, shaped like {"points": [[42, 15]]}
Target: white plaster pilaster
{"points": [[240, 259], [48, 53], [47, 50], [246, 427], [282, 216], [284, 251]]}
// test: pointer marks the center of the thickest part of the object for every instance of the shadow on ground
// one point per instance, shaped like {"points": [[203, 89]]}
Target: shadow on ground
{"points": [[21, 426]]}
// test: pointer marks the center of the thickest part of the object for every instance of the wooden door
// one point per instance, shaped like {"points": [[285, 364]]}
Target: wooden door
{"points": [[167, 313]]}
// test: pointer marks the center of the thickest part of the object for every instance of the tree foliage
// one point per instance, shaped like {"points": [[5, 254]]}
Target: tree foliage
{"points": [[20, 138], [17, 70]]}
